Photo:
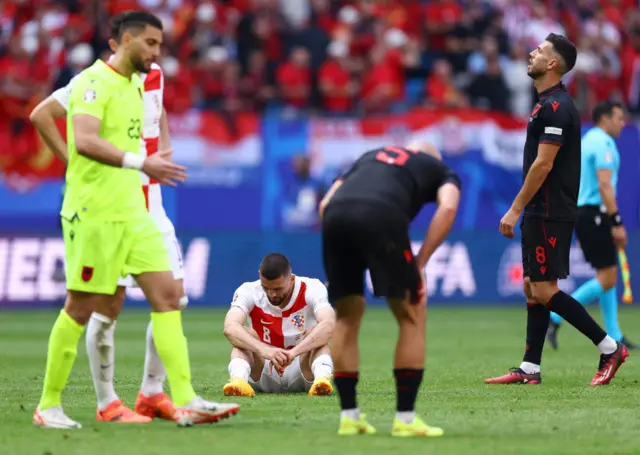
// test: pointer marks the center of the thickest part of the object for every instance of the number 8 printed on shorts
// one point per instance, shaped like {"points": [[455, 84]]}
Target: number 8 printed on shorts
{"points": [[541, 255]]}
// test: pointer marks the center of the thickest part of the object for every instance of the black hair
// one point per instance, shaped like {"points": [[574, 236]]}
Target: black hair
{"points": [[566, 49], [133, 20], [604, 108], [274, 266]]}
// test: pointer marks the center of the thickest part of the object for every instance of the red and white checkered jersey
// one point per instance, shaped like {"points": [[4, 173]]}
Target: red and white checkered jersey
{"points": [[282, 327], [153, 91]]}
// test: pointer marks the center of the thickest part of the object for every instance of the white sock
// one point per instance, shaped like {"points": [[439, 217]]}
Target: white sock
{"points": [[239, 368], [154, 371], [608, 345], [353, 414], [530, 368], [101, 353], [322, 366], [406, 416]]}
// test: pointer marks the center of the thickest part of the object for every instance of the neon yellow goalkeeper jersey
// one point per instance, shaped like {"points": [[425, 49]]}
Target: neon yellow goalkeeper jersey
{"points": [[96, 191]]}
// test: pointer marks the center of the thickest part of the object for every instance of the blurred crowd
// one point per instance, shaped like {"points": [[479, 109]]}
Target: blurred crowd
{"points": [[331, 56]]}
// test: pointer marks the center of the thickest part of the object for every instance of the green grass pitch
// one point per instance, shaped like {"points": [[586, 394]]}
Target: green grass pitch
{"points": [[562, 416]]}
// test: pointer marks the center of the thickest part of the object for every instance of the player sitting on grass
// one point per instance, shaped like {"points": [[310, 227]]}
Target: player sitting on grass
{"points": [[284, 350]]}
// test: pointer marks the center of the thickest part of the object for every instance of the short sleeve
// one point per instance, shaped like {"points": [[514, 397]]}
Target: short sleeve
{"points": [[604, 155], [452, 177], [89, 95], [63, 94], [555, 118], [243, 298], [317, 295]]}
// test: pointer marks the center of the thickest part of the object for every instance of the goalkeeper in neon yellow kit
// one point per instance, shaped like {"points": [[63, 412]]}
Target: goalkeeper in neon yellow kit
{"points": [[107, 229]]}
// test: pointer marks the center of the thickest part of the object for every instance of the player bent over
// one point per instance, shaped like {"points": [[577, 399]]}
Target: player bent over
{"points": [[284, 350], [152, 401], [107, 229], [365, 225]]}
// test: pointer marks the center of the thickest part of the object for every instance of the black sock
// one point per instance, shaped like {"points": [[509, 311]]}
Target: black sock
{"points": [[346, 384], [407, 385], [537, 324], [576, 315]]}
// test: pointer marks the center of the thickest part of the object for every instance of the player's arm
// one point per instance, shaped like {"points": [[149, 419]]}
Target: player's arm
{"points": [[607, 192], [164, 142], [89, 98], [327, 197], [537, 174], [448, 198], [604, 172], [44, 117], [555, 121], [237, 335], [336, 185], [319, 335]]}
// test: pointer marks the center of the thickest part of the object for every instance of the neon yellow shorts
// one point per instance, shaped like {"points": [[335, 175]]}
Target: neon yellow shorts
{"points": [[98, 253]]}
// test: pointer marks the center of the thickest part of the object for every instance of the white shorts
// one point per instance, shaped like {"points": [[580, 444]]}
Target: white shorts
{"points": [[175, 258], [292, 381]]}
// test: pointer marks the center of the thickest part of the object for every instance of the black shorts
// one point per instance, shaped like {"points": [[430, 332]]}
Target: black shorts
{"points": [[546, 247], [358, 236], [593, 230]]}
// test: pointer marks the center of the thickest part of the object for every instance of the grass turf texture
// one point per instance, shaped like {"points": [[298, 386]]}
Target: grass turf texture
{"points": [[562, 416]]}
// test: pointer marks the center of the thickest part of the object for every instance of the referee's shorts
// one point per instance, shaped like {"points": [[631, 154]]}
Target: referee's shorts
{"points": [[593, 230]]}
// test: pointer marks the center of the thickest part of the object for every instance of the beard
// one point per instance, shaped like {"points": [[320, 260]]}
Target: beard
{"points": [[138, 65], [535, 73]]}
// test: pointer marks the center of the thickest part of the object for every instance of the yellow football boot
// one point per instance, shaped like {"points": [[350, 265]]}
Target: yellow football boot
{"points": [[321, 387], [350, 427], [417, 428], [238, 387]]}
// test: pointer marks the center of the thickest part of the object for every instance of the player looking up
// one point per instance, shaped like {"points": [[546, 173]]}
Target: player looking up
{"points": [[365, 224], [285, 348], [548, 197], [107, 229], [599, 227], [152, 401]]}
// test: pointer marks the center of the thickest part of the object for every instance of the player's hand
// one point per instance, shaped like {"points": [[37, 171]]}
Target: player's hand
{"points": [[291, 356], [619, 234], [164, 171], [277, 357], [508, 223]]}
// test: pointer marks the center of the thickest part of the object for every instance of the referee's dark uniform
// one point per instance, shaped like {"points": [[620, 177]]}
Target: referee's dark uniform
{"points": [[549, 218]]}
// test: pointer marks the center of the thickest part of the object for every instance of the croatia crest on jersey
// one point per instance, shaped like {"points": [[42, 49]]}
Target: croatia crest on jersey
{"points": [[298, 321]]}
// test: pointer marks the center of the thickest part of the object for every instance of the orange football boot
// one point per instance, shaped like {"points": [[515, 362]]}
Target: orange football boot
{"points": [[117, 412], [155, 406]]}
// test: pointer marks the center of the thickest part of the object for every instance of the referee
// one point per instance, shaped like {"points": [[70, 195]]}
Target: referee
{"points": [[599, 228], [548, 197]]}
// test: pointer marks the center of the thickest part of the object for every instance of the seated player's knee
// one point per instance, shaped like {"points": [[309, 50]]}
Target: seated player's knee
{"points": [[607, 277], [543, 291]]}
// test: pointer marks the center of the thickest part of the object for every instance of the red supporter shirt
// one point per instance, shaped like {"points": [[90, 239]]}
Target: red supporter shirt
{"points": [[331, 72], [448, 12], [291, 76]]}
